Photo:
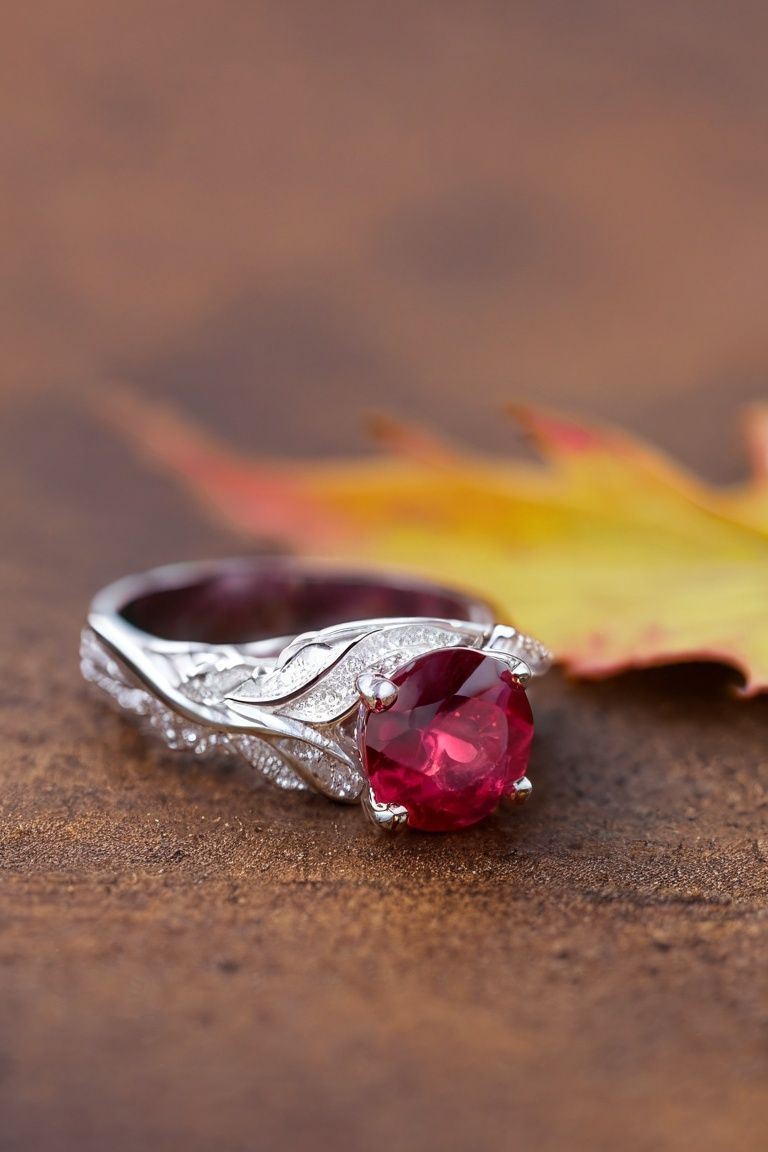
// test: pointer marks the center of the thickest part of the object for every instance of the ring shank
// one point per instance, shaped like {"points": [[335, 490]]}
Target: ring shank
{"points": [[246, 600]]}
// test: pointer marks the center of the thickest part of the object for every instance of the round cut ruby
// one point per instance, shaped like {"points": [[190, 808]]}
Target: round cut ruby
{"points": [[455, 740]]}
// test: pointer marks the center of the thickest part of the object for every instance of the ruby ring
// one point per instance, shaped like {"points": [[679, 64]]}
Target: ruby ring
{"points": [[403, 696]]}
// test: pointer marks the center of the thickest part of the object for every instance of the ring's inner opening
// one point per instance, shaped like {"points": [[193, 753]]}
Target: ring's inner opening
{"points": [[239, 605]]}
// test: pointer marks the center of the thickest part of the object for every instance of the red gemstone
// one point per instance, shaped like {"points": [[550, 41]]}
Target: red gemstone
{"points": [[455, 740]]}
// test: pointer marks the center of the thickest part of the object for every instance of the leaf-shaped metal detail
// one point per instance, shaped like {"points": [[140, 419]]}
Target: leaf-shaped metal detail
{"points": [[289, 715], [305, 759], [332, 695], [101, 668]]}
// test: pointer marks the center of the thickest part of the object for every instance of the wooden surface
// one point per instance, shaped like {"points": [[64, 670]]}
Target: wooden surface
{"points": [[279, 216]]}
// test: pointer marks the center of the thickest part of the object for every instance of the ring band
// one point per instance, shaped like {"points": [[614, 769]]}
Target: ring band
{"points": [[402, 695]]}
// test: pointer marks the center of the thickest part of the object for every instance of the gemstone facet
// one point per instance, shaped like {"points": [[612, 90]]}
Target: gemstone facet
{"points": [[454, 741]]}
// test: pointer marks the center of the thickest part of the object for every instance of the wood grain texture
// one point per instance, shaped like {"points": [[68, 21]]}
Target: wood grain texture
{"points": [[280, 216]]}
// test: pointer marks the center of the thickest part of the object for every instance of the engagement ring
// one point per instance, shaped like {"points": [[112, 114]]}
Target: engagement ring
{"points": [[401, 695]]}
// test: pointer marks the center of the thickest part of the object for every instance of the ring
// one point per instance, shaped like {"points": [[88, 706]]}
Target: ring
{"points": [[404, 696]]}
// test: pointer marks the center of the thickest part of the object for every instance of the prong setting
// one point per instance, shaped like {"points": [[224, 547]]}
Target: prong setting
{"points": [[390, 819], [519, 669], [380, 702], [521, 790], [376, 692]]}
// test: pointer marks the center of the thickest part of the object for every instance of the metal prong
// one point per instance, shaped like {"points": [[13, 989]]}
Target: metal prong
{"points": [[516, 666], [514, 643], [520, 790], [389, 818], [376, 692]]}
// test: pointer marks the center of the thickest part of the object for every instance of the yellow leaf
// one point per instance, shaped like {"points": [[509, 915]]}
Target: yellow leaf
{"points": [[607, 550]]}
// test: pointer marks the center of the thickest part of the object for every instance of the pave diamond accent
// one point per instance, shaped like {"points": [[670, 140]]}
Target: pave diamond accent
{"points": [[329, 774], [266, 684], [100, 668], [268, 761], [532, 652], [381, 651]]}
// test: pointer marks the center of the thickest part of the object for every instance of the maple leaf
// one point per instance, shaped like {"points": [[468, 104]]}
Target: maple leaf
{"points": [[607, 550]]}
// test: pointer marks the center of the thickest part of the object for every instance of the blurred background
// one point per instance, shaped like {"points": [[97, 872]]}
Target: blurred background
{"points": [[431, 208], [279, 216]]}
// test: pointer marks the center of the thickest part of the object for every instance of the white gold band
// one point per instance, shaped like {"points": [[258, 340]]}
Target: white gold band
{"points": [[184, 649]]}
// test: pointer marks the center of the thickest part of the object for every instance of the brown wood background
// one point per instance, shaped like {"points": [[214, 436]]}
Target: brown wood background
{"points": [[280, 215]]}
